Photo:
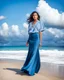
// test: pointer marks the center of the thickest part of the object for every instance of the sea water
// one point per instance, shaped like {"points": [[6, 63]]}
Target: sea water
{"points": [[47, 54]]}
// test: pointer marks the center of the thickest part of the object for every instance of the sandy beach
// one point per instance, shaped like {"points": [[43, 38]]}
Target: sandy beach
{"points": [[10, 70]]}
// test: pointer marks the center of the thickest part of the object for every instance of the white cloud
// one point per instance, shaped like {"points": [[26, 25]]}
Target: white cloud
{"points": [[53, 37], [15, 30], [27, 15], [5, 29], [2, 17], [56, 32], [25, 25], [49, 14], [5, 26]]}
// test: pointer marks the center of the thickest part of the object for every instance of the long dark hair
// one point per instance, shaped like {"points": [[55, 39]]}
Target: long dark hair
{"points": [[30, 18]]}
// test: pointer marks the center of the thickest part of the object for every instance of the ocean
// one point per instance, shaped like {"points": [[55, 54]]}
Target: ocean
{"points": [[26, 48], [47, 54]]}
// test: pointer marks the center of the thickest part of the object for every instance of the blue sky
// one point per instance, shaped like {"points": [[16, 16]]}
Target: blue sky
{"points": [[13, 26], [16, 10]]}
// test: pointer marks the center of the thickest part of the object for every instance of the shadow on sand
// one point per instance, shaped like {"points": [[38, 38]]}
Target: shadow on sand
{"points": [[18, 71]]}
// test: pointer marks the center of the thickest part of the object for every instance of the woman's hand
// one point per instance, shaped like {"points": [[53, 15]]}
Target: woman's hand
{"points": [[40, 44], [26, 43]]}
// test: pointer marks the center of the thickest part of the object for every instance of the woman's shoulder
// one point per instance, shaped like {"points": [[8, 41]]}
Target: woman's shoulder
{"points": [[41, 22]]}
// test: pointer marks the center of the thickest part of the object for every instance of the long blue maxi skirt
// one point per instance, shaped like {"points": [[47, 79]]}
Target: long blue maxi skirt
{"points": [[32, 62]]}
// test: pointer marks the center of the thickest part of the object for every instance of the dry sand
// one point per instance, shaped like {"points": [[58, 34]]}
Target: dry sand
{"points": [[10, 70]]}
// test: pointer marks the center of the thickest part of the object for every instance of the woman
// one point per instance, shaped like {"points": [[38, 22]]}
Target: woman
{"points": [[35, 29]]}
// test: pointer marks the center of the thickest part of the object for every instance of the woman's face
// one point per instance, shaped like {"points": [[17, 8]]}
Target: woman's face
{"points": [[35, 16]]}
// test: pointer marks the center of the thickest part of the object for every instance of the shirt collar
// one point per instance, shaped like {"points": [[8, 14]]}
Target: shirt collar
{"points": [[36, 22]]}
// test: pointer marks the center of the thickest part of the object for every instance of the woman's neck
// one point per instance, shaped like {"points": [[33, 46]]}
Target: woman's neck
{"points": [[35, 21]]}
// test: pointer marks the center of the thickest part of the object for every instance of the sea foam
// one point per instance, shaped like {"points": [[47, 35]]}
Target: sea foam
{"points": [[48, 56]]}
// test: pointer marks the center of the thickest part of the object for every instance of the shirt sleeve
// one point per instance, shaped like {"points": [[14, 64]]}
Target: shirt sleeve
{"points": [[41, 29]]}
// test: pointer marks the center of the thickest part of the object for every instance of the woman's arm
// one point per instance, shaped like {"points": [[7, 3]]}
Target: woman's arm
{"points": [[28, 40], [28, 33], [41, 29], [40, 36]]}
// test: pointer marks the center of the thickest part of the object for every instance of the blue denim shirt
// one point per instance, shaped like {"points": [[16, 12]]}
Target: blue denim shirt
{"points": [[37, 27]]}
